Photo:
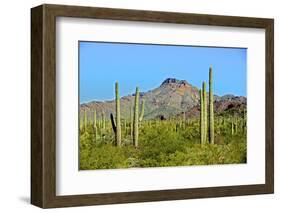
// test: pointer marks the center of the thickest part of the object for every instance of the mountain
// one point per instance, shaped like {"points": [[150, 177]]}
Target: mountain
{"points": [[171, 98], [227, 104]]}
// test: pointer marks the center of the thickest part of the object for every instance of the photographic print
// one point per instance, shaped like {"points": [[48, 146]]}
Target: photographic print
{"points": [[137, 106], [158, 105]]}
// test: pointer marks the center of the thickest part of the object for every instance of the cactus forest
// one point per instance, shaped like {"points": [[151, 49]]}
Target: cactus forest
{"points": [[127, 132]]}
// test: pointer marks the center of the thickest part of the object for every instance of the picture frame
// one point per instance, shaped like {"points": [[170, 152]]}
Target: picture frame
{"points": [[43, 105]]}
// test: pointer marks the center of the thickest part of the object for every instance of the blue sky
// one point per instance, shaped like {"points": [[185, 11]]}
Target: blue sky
{"points": [[147, 66]]}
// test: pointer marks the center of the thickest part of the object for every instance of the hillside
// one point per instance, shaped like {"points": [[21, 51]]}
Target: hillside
{"points": [[171, 98]]}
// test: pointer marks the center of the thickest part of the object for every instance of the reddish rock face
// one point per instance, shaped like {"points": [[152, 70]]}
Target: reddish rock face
{"points": [[228, 103]]}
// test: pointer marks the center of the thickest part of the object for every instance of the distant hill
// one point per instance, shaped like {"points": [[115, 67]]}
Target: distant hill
{"points": [[171, 98]]}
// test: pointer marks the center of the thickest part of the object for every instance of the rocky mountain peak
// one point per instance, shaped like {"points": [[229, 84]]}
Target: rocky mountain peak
{"points": [[170, 81], [170, 99]]}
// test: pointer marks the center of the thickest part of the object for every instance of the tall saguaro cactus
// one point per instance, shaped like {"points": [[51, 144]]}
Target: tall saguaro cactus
{"points": [[94, 118], [202, 117], [118, 119], [95, 124], [142, 110], [136, 119], [211, 107], [131, 121], [205, 112], [232, 126]]}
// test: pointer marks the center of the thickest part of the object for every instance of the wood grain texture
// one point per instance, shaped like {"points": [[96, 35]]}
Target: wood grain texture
{"points": [[43, 105], [269, 106], [36, 106]]}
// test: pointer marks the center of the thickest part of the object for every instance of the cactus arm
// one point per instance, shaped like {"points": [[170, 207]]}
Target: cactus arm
{"points": [[113, 123]]}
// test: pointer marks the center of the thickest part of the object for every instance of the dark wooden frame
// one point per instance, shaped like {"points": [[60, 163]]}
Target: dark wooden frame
{"points": [[43, 105]]}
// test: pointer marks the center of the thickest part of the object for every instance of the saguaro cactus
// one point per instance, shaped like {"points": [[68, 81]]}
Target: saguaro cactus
{"points": [[211, 108], [244, 121], [95, 124], [205, 112], [116, 126], [85, 120], [118, 119], [136, 119], [142, 110], [94, 118], [235, 125], [103, 120], [202, 117], [232, 127], [131, 121]]}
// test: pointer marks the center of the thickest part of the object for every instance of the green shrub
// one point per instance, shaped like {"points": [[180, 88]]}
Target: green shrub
{"points": [[163, 143]]}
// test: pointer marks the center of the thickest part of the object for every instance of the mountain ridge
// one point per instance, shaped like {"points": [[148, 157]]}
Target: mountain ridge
{"points": [[172, 98]]}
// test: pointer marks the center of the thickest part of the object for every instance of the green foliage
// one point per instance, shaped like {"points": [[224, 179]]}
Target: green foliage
{"points": [[164, 143], [161, 142], [157, 145]]}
